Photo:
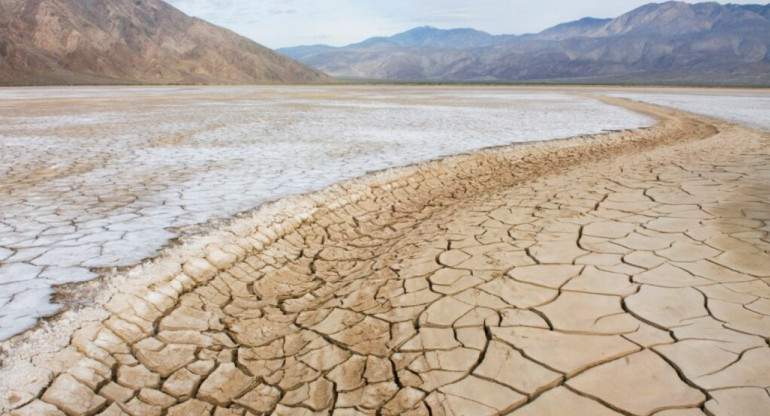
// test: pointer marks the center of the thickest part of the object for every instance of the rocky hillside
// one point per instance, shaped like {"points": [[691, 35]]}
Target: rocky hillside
{"points": [[130, 42], [672, 42]]}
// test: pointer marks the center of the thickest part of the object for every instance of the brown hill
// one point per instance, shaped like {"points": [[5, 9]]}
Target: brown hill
{"points": [[130, 42]]}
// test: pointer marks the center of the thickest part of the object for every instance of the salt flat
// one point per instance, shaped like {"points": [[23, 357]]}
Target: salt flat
{"points": [[747, 107], [623, 273], [95, 178]]}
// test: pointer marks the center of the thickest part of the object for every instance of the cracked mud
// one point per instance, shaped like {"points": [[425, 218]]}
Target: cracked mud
{"points": [[95, 179], [632, 279]]}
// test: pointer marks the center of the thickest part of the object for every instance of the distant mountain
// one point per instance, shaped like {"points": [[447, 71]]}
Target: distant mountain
{"points": [[431, 37], [674, 42], [421, 37], [574, 29], [129, 41]]}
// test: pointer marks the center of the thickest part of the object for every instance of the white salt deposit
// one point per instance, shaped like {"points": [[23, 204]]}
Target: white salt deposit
{"points": [[747, 107], [95, 178]]}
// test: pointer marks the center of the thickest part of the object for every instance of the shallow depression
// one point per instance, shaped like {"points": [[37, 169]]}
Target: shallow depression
{"points": [[751, 107], [98, 178]]}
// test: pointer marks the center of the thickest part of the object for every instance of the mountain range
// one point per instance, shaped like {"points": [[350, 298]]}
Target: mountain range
{"points": [[130, 42], [673, 42], [150, 42]]}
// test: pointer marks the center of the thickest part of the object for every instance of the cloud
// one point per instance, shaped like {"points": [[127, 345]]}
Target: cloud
{"points": [[277, 23], [276, 12]]}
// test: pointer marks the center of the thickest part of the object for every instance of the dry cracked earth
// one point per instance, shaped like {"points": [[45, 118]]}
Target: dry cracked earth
{"points": [[99, 178], [634, 279]]}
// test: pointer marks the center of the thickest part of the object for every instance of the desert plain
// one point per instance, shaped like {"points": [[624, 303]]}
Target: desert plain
{"points": [[525, 251]]}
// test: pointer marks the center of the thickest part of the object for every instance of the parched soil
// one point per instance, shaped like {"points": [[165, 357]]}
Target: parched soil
{"points": [[626, 273]]}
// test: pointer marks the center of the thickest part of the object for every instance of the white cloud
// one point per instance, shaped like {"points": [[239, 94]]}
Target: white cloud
{"points": [[280, 23]]}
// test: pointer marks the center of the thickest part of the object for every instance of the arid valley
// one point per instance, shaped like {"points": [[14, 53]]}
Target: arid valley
{"points": [[385, 250], [382, 208]]}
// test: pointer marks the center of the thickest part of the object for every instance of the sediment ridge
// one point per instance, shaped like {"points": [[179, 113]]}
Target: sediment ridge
{"points": [[449, 287]]}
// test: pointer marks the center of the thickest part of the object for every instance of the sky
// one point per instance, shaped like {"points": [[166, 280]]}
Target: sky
{"points": [[283, 23]]}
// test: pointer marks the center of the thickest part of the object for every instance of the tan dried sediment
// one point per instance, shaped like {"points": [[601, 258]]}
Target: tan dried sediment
{"points": [[414, 290]]}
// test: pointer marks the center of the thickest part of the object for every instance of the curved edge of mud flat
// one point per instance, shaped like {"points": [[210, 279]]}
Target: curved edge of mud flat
{"points": [[388, 202]]}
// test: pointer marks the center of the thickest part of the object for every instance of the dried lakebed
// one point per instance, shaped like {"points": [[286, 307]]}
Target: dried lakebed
{"points": [[625, 274], [747, 107], [96, 178]]}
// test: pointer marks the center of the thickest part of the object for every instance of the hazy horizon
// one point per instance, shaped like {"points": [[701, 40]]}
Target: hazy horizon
{"points": [[283, 23]]}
